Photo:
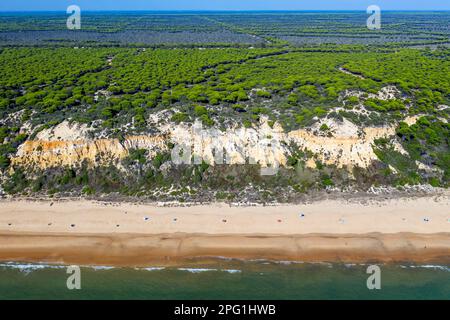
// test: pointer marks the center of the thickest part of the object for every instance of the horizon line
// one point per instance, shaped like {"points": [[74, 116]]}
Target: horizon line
{"points": [[228, 10]]}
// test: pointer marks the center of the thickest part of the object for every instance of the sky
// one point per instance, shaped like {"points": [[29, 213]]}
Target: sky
{"points": [[61, 5]]}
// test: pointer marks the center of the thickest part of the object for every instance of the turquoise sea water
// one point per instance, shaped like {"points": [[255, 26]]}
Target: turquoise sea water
{"points": [[226, 280]]}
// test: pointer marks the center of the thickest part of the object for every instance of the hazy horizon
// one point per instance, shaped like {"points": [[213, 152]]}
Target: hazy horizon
{"points": [[223, 5], [224, 10]]}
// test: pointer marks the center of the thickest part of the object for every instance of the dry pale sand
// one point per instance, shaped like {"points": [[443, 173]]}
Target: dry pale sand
{"points": [[414, 229]]}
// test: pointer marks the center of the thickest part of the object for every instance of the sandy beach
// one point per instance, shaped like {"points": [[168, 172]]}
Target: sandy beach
{"points": [[90, 232]]}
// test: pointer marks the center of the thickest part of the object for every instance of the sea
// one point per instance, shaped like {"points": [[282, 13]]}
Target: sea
{"points": [[249, 280]]}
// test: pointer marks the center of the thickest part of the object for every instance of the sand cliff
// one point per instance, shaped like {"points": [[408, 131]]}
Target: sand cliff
{"points": [[346, 145]]}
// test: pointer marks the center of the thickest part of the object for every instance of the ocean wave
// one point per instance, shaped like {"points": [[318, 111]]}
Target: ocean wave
{"points": [[289, 262], [31, 267], [98, 268], [28, 267], [196, 270], [231, 270], [151, 269], [199, 270], [428, 266]]}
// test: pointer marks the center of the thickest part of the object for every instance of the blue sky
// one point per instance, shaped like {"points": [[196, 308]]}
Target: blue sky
{"points": [[61, 5]]}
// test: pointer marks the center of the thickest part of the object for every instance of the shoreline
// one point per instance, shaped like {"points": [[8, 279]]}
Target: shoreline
{"points": [[406, 230], [190, 250]]}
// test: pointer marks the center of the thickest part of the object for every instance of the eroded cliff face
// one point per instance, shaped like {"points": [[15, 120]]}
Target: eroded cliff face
{"points": [[345, 145], [47, 154], [261, 145], [348, 146]]}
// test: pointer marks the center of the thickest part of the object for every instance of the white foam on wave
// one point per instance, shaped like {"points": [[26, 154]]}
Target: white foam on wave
{"points": [[232, 270], [98, 268], [428, 266], [351, 265], [28, 267], [289, 262], [199, 270], [151, 269], [196, 270]]}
